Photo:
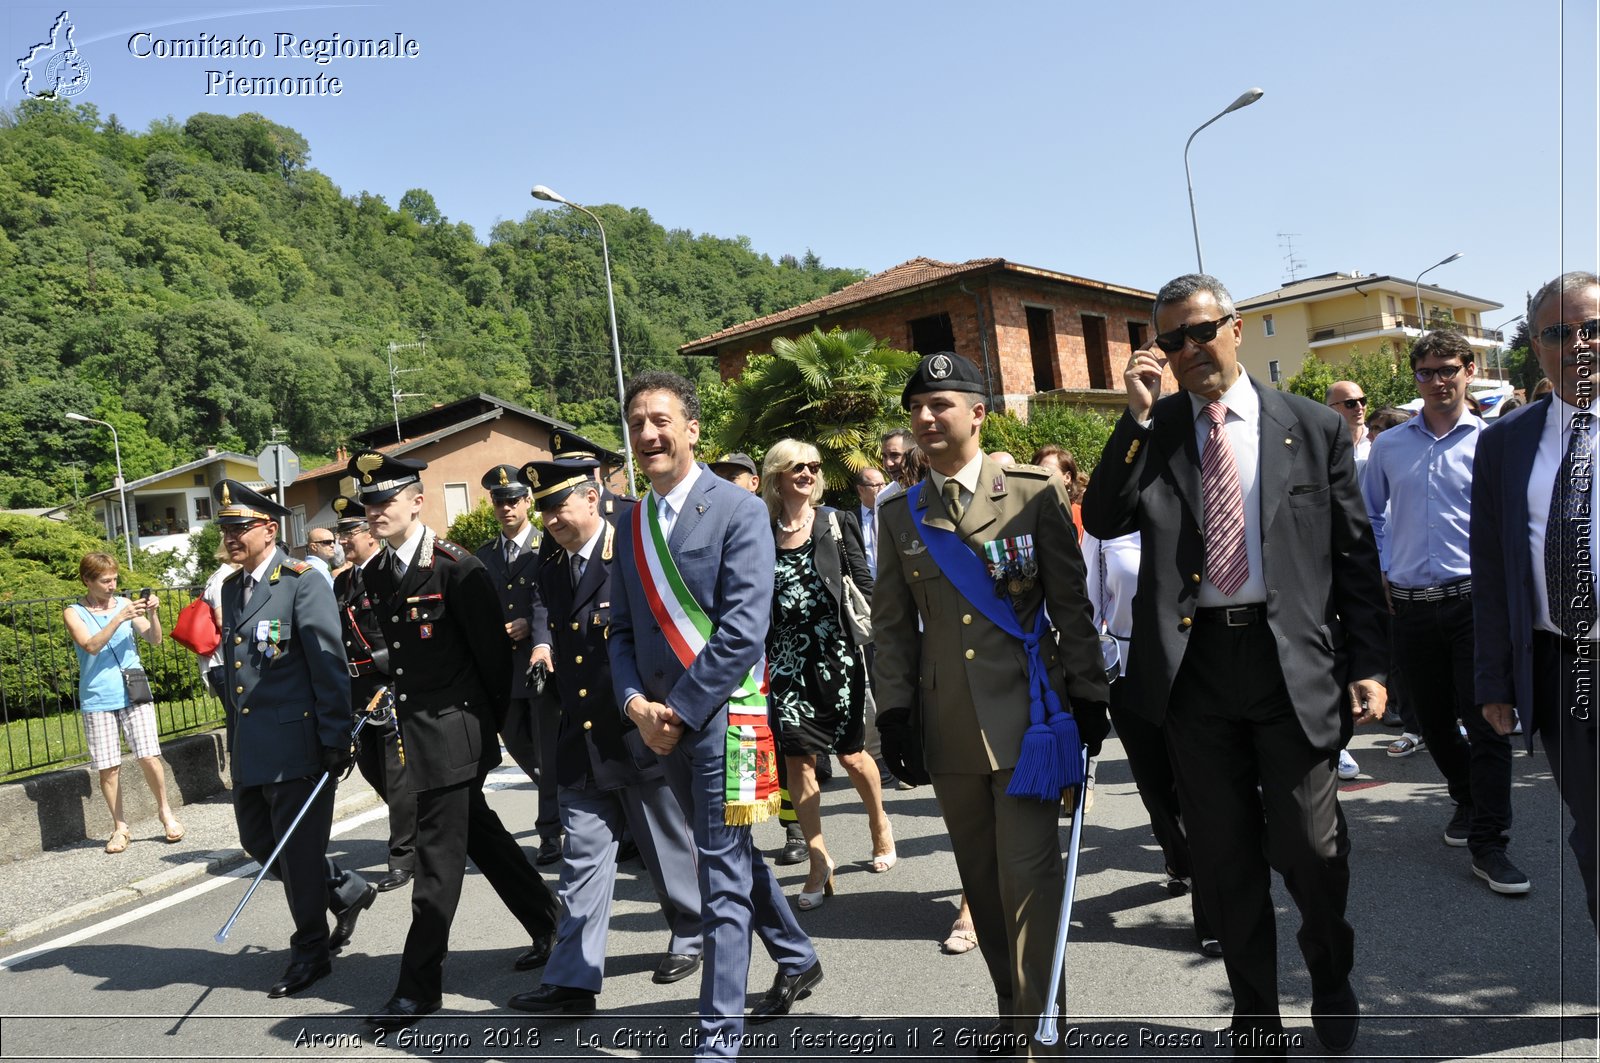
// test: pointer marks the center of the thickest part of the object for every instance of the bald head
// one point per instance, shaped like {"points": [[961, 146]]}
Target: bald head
{"points": [[1350, 402]]}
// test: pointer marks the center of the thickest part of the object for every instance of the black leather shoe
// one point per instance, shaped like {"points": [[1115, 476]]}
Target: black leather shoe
{"points": [[674, 967], [1211, 947], [795, 851], [400, 1012], [538, 953], [556, 998], [549, 852], [393, 880], [1336, 1017], [300, 974], [345, 923], [786, 989]]}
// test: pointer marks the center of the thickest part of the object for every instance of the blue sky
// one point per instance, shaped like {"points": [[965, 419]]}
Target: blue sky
{"points": [[1050, 134]]}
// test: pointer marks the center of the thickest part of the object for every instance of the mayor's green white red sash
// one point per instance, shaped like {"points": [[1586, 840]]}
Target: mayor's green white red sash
{"points": [[750, 773]]}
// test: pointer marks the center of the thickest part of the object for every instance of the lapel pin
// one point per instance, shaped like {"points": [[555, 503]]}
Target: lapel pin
{"points": [[700, 509]]}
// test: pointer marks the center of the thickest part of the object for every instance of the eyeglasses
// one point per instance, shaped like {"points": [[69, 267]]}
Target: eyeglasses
{"points": [[1445, 373], [1203, 332], [812, 467], [238, 531], [1350, 404], [1562, 333]]}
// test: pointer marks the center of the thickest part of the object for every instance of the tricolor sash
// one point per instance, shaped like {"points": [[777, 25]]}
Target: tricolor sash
{"points": [[751, 768], [1050, 759]]}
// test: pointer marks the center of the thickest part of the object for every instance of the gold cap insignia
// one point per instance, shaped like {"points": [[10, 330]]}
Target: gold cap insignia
{"points": [[555, 441], [503, 481], [227, 500], [366, 463], [340, 505], [533, 477]]}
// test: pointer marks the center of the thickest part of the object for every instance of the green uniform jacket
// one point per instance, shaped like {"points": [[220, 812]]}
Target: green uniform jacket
{"points": [[971, 677]]}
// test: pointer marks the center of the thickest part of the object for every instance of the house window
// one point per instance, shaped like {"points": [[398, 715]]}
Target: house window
{"points": [[202, 508], [932, 334], [1095, 351], [297, 526], [1394, 308], [1137, 333], [199, 479], [1266, 323], [1042, 346], [1272, 370], [455, 502]]}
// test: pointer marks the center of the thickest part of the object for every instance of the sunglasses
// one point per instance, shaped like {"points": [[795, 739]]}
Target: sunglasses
{"points": [[1562, 333], [238, 531], [1204, 332], [813, 467], [1349, 404], [1444, 372], [322, 542]]}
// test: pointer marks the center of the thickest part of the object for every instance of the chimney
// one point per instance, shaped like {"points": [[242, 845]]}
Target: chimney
{"points": [[211, 452]]}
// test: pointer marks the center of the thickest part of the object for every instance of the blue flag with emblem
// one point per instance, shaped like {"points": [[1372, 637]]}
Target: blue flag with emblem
{"points": [[1050, 759]]}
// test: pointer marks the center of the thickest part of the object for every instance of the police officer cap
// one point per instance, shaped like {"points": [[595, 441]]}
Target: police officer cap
{"points": [[737, 460], [552, 481], [944, 371], [238, 504], [379, 477], [349, 513], [572, 451], [503, 484]]}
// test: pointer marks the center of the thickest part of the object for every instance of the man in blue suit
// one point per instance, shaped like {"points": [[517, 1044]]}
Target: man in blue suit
{"points": [[717, 535], [1533, 561]]}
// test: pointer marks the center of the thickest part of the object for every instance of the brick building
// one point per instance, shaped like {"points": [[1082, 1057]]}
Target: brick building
{"points": [[1029, 330], [460, 441]]}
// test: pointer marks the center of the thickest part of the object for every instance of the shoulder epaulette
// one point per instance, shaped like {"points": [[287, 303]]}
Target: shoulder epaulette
{"points": [[899, 496], [449, 549], [297, 567], [1034, 472]]}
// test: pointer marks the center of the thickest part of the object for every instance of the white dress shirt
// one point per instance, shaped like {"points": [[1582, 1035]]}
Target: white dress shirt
{"points": [[406, 552], [1541, 485], [1243, 426], [869, 537], [667, 513]]}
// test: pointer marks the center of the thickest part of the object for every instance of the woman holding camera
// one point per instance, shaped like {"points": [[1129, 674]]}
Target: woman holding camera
{"points": [[113, 692]]}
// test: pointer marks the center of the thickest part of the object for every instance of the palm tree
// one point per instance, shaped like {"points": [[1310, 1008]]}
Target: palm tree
{"points": [[839, 390]]}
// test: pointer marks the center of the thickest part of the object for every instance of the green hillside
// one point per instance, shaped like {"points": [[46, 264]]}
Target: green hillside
{"points": [[199, 285]]}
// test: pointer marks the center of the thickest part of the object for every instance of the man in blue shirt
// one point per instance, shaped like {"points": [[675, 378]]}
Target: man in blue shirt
{"points": [[1418, 490]]}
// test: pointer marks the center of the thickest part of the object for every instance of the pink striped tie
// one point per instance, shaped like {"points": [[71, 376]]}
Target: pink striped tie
{"points": [[1227, 565]]}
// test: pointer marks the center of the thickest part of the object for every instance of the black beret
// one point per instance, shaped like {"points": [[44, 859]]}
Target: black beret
{"points": [[944, 371]]}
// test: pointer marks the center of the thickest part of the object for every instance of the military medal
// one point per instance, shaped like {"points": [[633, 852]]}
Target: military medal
{"points": [[1011, 564]]}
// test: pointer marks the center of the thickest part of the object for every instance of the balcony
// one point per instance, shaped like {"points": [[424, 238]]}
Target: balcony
{"points": [[1390, 324]]}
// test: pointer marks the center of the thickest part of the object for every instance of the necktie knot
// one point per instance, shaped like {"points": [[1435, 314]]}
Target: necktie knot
{"points": [[1217, 411], [952, 499]]}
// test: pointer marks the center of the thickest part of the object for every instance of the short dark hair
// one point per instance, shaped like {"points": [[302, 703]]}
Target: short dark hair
{"points": [[1387, 418], [660, 380], [1441, 343], [94, 565], [903, 433], [1577, 280], [1179, 289]]}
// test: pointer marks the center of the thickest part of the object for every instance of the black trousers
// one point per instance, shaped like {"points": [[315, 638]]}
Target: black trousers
{"points": [[1230, 726], [455, 823], [378, 760], [1434, 640], [1157, 783], [313, 884], [531, 728], [1564, 688]]}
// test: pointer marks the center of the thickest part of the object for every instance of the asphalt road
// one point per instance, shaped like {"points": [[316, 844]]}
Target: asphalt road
{"points": [[1445, 969]]}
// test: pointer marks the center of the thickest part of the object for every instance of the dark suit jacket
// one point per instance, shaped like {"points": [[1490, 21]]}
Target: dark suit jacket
{"points": [[517, 588], [283, 706], [827, 556], [1320, 562], [450, 659], [1502, 563], [596, 746], [722, 544]]}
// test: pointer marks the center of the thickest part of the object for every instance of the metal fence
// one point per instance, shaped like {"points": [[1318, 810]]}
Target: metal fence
{"points": [[40, 725]]}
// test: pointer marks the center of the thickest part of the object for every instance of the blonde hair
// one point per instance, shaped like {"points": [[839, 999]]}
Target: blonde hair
{"points": [[784, 455]]}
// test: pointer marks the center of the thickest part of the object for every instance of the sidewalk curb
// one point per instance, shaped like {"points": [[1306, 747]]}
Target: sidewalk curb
{"points": [[215, 863]]}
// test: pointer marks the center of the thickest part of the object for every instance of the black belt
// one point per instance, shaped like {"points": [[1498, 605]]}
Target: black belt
{"points": [[1461, 588], [1232, 615]]}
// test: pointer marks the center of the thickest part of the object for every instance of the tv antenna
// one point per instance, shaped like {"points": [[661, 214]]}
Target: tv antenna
{"points": [[395, 394], [1291, 264]]}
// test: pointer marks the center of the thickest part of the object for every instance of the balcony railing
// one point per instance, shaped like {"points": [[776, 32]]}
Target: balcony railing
{"points": [[1386, 322]]}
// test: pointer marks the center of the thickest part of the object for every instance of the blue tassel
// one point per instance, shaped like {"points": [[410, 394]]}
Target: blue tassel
{"points": [[1038, 773], [1070, 745]]}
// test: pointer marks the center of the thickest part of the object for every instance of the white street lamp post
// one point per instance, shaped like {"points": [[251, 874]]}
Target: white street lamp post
{"points": [[122, 486], [1422, 320], [541, 192], [1251, 96]]}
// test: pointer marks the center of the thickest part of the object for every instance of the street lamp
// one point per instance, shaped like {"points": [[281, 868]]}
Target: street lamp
{"points": [[1500, 354], [1251, 96], [1422, 321], [122, 486], [541, 192]]}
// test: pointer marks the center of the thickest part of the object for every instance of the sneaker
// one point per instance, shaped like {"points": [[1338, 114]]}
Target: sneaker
{"points": [[1406, 745], [1455, 834], [1348, 768], [1500, 873]]}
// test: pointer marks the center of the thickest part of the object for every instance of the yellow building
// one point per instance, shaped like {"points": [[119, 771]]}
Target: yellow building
{"points": [[1339, 314], [170, 506]]}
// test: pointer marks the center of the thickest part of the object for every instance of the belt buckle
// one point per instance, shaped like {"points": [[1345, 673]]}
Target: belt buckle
{"points": [[350, 667], [1228, 614]]}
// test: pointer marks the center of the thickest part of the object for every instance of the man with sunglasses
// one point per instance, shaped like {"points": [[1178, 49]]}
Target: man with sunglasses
{"points": [[1419, 495], [1533, 557], [322, 550], [1257, 640], [1346, 400]]}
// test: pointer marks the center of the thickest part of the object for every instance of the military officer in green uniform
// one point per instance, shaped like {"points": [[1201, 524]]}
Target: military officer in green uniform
{"points": [[939, 656], [286, 693]]}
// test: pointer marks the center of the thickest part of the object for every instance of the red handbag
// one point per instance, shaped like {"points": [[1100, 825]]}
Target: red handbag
{"points": [[197, 628]]}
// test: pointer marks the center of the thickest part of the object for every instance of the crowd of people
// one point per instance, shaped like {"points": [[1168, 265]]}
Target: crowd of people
{"points": [[1234, 588]]}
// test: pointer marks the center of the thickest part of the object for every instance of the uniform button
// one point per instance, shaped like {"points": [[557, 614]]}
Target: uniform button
{"points": [[394, 619], [508, 606], [583, 692], [1194, 577], [402, 697], [577, 660], [238, 690], [574, 625], [588, 725], [1186, 622], [238, 664], [244, 711], [971, 654], [237, 639], [394, 645], [399, 671], [916, 572], [306, 714]]}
